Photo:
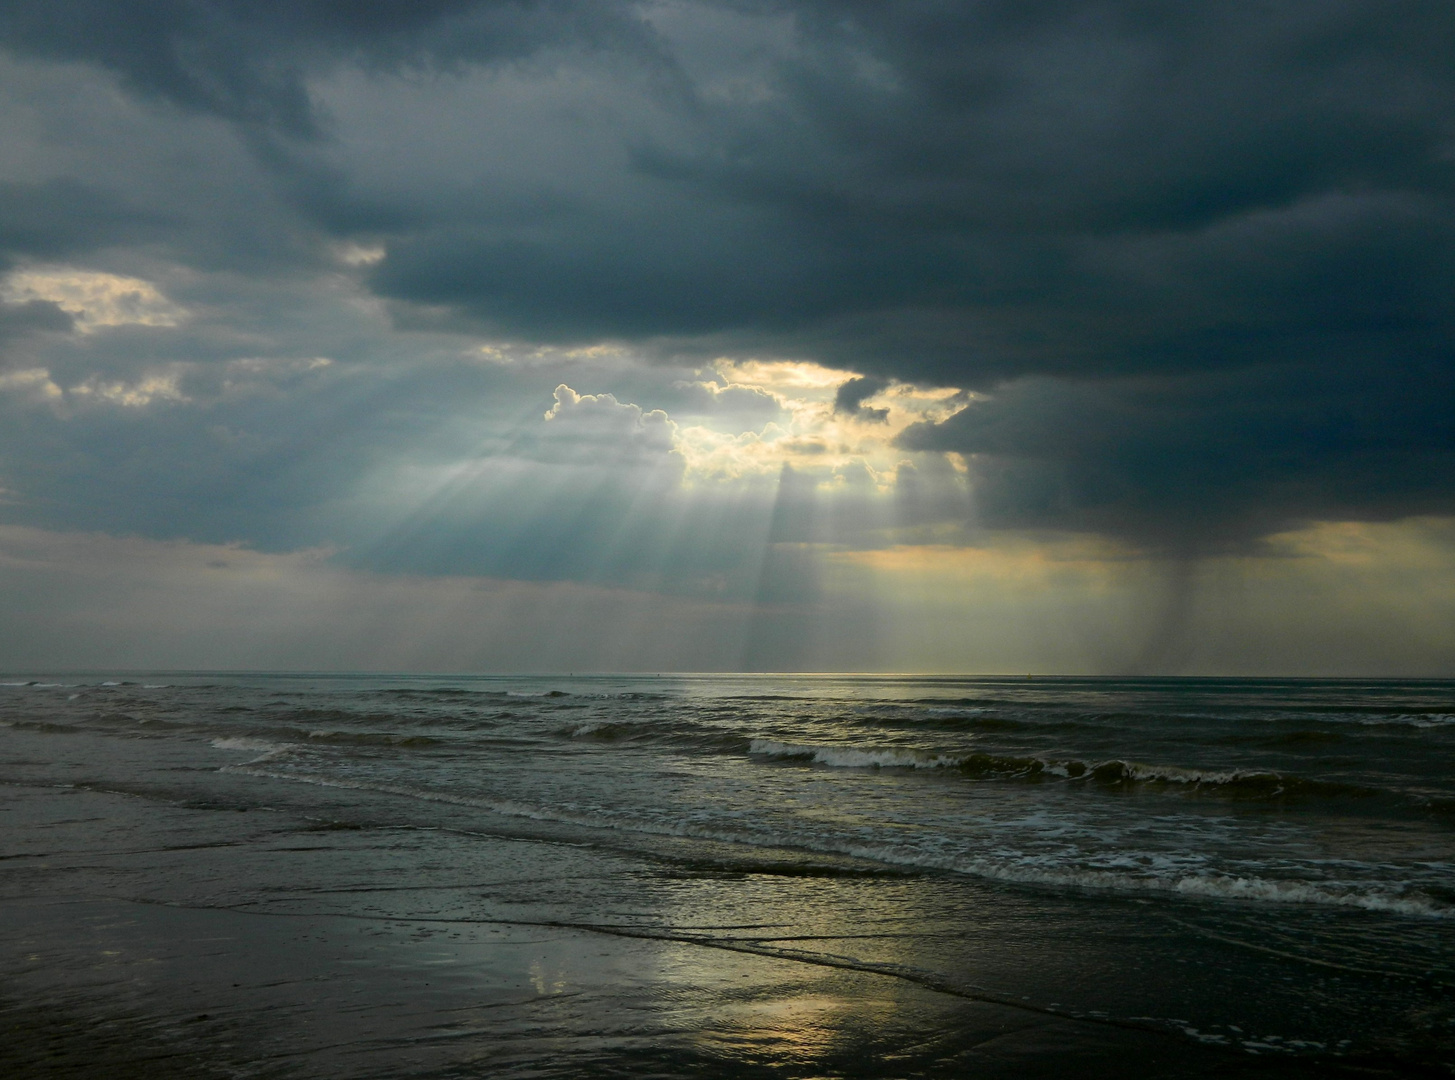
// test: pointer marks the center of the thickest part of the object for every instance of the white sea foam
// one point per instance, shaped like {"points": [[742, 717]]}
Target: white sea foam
{"points": [[1172, 774], [1420, 720], [266, 750], [848, 757], [1005, 866], [238, 742], [1303, 892], [581, 731]]}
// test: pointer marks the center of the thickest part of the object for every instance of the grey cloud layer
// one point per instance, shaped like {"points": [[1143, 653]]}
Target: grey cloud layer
{"points": [[1200, 257]]}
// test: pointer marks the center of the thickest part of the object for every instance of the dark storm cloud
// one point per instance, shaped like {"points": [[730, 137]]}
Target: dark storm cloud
{"points": [[1199, 257], [1195, 464], [849, 398], [1231, 229], [60, 216], [17, 319], [247, 59]]}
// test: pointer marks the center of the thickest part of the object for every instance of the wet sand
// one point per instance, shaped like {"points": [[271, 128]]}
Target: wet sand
{"points": [[346, 877], [141, 987], [153, 935]]}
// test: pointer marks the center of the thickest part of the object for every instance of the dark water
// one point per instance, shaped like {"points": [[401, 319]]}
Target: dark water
{"points": [[922, 876]]}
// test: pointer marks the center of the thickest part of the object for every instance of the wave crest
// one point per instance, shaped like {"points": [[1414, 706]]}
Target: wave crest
{"points": [[1231, 782], [848, 757]]}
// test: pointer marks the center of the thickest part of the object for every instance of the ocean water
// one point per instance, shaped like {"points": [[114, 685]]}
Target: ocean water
{"points": [[1259, 872]]}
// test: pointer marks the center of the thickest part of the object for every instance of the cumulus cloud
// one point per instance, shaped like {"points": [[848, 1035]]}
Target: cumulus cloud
{"points": [[736, 401], [596, 429]]}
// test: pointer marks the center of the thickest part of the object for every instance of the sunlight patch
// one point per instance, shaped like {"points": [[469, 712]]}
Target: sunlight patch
{"points": [[93, 299], [132, 395], [784, 376], [30, 382], [813, 436], [360, 254]]}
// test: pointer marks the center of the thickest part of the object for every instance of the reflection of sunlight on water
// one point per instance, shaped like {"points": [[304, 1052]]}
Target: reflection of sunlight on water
{"points": [[778, 1011], [547, 982], [800, 1029]]}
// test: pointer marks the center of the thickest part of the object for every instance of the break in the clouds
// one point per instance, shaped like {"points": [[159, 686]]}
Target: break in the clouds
{"points": [[692, 296]]}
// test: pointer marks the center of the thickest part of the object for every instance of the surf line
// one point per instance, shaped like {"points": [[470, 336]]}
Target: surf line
{"points": [[904, 972]]}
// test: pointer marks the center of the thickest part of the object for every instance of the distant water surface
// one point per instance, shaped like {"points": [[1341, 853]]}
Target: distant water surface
{"points": [[1260, 867]]}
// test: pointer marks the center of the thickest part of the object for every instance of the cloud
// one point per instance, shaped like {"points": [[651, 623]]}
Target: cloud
{"points": [[29, 316], [1345, 600], [248, 61], [34, 383], [61, 215], [1200, 463], [87, 601], [984, 196], [597, 430], [1191, 267], [91, 299], [849, 399], [737, 401]]}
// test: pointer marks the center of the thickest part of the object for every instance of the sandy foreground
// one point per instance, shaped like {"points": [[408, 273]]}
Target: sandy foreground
{"points": [[154, 937]]}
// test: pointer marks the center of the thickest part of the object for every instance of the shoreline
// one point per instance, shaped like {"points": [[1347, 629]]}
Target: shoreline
{"points": [[369, 906], [200, 992], [135, 986]]}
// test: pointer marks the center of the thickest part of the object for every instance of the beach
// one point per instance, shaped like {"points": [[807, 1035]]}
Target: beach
{"points": [[433, 876]]}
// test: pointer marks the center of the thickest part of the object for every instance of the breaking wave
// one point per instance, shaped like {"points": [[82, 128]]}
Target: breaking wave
{"points": [[1114, 771], [847, 757], [1383, 897]]}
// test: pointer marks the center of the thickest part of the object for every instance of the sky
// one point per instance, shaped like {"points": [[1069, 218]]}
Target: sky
{"points": [[585, 335]]}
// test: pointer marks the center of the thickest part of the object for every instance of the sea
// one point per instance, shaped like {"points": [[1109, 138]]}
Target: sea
{"points": [[726, 875]]}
